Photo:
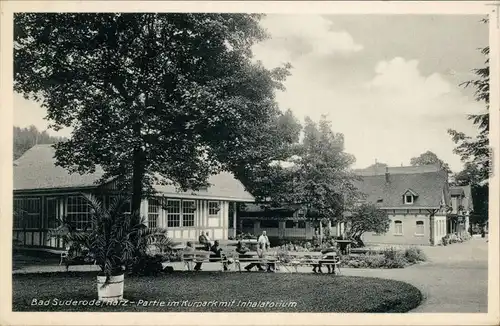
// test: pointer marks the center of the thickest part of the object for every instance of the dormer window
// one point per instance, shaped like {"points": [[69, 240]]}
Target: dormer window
{"points": [[409, 197]]}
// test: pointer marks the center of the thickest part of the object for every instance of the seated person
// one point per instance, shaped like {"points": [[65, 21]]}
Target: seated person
{"points": [[242, 250], [329, 256], [202, 239], [188, 257], [217, 252]]}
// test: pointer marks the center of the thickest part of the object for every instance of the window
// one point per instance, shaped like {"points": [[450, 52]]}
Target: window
{"points": [[78, 211], [269, 224], [213, 208], [173, 213], [27, 213], [188, 208], [289, 224], [301, 225], [420, 228], [408, 199], [153, 212], [51, 212], [19, 213], [398, 228]]}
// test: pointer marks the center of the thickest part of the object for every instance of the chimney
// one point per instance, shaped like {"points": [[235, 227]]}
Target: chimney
{"points": [[386, 174]]}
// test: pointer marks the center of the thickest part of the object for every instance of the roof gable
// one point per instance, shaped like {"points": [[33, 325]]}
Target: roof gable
{"points": [[411, 192], [36, 170]]}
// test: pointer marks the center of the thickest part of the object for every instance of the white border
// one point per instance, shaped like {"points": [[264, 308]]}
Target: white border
{"points": [[352, 7]]}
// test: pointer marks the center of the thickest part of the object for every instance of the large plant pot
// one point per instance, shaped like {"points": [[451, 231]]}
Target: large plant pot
{"points": [[112, 291]]}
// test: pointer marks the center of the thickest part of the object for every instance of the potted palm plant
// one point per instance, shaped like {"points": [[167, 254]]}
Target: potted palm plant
{"points": [[115, 239]]}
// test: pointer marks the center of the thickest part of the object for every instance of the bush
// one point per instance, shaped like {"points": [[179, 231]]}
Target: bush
{"points": [[414, 255], [398, 261], [375, 261], [148, 265], [390, 253]]}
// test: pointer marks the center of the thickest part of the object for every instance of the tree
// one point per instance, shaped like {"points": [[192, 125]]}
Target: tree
{"points": [[151, 97], [376, 166], [267, 179], [366, 217], [475, 152], [321, 179], [429, 158], [471, 175], [25, 138]]}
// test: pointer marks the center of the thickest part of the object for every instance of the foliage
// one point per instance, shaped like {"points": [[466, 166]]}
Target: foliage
{"points": [[455, 238], [152, 97], [111, 238], [429, 158], [476, 151], [376, 166], [149, 265], [414, 255], [25, 138], [366, 217], [245, 236], [321, 178], [472, 175]]}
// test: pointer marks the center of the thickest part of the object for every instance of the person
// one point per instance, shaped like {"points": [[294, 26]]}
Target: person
{"points": [[263, 241], [209, 241], [188, 257], [217, 253], [329, 255], [316, 240], [242, 250], [263, 245], [202, 239]]}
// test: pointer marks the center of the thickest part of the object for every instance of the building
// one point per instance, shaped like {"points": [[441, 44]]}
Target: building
{"points": [[462, 207], [44, 192], [417, 200]]}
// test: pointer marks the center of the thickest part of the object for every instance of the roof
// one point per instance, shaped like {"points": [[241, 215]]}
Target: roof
{"points": [[378, 170], [457, 191], [36, 170], [429, 183]]}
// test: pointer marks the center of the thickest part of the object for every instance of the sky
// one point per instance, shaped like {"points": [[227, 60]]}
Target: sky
{"points": [[389, 83]]}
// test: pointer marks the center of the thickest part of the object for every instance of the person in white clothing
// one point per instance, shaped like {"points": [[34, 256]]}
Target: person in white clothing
{"points": [[208, 239], [263, 241]]}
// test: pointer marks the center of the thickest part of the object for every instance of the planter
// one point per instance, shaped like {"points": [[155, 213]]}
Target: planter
{"points": [[113, 291]]}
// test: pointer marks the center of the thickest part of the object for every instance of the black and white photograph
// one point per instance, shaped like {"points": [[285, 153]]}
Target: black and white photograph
{"points": [[251, 161]]}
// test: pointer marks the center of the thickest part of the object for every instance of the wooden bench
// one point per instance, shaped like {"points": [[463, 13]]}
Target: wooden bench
{"points": [[296, 259], [202, 256], [253, 257]]}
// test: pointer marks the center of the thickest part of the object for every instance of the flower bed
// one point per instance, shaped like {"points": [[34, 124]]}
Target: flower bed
{"points": [[388, 258]]}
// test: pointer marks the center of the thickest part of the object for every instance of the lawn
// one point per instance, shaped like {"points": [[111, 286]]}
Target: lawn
{"points": [[219, 292]]}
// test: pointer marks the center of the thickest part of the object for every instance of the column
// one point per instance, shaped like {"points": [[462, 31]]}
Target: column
{"points": [[144, 210], [234, 219]]}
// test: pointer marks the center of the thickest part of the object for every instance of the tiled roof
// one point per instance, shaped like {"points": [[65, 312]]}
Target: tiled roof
{"points": [[36, 170], [429, 182]]}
